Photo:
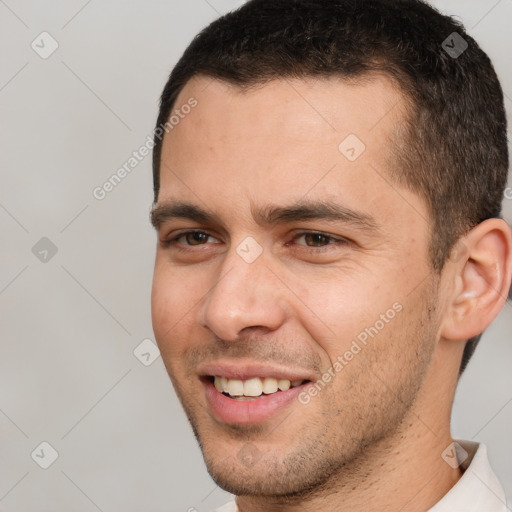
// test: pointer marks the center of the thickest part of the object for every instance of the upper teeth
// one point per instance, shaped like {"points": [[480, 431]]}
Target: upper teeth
{"points": [[254, 386]]}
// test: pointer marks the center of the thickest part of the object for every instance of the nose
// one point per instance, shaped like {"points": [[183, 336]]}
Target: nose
{"points": [[244, 295]]}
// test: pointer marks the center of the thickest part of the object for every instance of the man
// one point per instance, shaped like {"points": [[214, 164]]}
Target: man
{"points": [[328, 181]]}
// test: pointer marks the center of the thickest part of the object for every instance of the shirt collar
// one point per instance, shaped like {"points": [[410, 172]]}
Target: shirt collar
{"points": [[478, 489]]}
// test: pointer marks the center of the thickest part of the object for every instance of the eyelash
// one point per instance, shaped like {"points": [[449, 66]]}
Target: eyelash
{"points": [[336, 241]]}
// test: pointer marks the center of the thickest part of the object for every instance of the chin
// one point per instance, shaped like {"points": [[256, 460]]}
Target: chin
{"points": [[240, 468]]}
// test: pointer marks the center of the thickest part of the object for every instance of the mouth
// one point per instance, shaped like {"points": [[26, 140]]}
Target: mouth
{"points": [[254, 388], [252, 400]]}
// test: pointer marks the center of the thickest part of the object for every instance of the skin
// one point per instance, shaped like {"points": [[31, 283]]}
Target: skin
{"points": [[378, 429]]}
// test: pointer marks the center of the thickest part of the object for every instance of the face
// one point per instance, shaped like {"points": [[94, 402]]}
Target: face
{"points": [[293, 301]]}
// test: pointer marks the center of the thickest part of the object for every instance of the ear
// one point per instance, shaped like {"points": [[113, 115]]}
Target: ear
{"points": [[481, 270]]}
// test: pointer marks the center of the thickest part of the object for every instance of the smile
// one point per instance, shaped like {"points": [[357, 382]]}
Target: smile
{"points": [[251, 389], [250, 401]]}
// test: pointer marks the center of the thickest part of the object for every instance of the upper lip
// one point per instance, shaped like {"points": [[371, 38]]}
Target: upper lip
{"points": [[244, 370]]}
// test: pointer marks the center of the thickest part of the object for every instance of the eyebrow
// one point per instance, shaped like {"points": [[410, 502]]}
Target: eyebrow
{"points": [[268, 215]]}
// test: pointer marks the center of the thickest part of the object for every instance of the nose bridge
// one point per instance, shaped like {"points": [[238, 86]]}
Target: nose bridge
{"points": [[244, 295]]}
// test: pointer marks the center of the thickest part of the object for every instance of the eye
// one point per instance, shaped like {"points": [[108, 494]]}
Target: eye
{"points": [[314, 239], [188, 238], [194, 237]]}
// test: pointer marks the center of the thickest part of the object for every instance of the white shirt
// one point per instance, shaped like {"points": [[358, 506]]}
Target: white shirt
{"points": [[478, 490]]}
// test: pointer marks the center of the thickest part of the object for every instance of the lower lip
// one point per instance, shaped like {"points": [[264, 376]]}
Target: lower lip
{"points": [[244, 412]]}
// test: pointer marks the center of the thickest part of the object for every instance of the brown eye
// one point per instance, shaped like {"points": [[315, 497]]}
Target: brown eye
{"points": [[315, 239], [196, 237], [186, 239]]}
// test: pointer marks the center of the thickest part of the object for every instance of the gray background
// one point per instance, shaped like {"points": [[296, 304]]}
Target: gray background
{"points": [[68, 374]]}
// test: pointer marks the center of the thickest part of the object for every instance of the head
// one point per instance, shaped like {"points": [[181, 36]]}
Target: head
{"points": [[344, 173]]}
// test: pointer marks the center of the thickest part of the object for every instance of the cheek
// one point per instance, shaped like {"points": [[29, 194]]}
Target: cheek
{"points": [[172, 299], [339, 307]]}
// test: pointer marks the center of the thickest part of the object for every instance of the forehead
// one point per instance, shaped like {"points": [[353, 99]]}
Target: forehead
{"points": [[316, 110], [281, 117], [286, 140]]}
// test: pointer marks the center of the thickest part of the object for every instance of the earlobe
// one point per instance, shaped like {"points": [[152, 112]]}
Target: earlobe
{"points": [[481, 280]]}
